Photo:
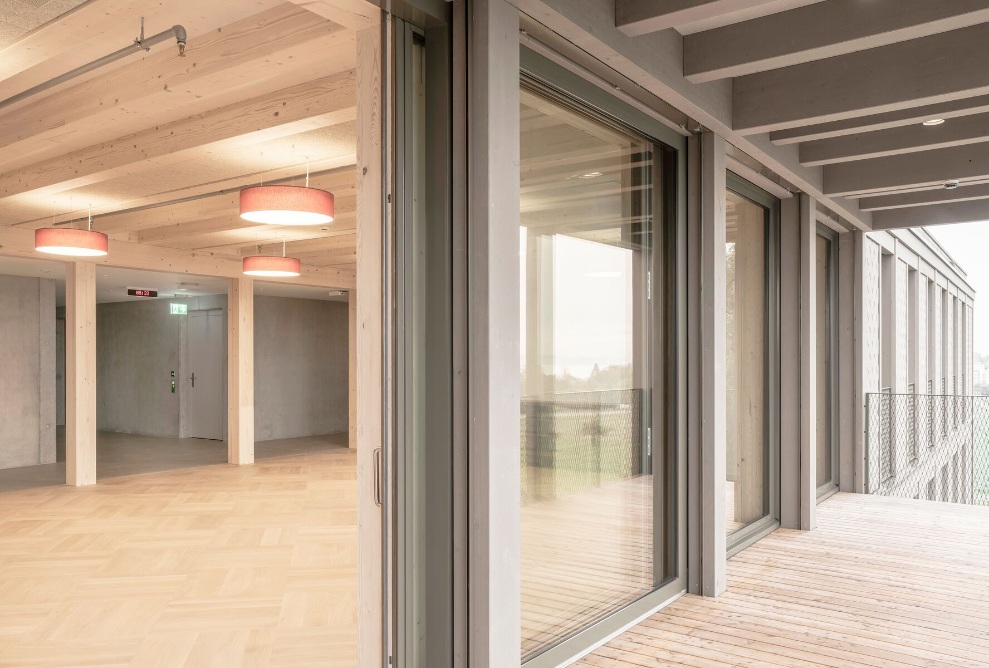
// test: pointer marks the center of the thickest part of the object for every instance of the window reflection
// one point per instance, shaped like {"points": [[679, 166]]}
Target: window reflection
{"points": [[588, 357]]}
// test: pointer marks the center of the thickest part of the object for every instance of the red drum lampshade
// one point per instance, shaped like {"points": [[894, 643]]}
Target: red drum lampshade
{"points": [[70, 241], [286, 205]]}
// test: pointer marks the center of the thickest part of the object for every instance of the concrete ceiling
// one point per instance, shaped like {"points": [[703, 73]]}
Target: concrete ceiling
{"points": [[844, 87], [264, 85], [20, 17]]}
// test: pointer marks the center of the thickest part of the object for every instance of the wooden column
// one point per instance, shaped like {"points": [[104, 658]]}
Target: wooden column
{"points": [[369, 350], [80, 373], [240, 371], [791, 350], [494, 548], [352, 368], [808, 362], [713, 346]]}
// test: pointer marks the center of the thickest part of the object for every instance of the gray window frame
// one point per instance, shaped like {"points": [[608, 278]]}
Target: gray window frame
{"points": [[758, 529], [539, 71], [827, 489]]}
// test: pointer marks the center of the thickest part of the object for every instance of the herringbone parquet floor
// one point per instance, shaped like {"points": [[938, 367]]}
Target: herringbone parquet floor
{"points": [[211, 566]]}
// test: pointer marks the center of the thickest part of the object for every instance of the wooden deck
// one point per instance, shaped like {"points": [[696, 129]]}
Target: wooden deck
{"points": [[883, 583], [211, 566]]}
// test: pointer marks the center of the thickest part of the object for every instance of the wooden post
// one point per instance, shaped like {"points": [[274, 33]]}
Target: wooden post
{"points": [[240, 371], [80, 373], [352, 367], [808, 362], [369, 348], [713, 209]]}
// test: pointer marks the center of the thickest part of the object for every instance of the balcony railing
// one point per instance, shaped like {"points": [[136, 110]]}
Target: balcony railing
{"points": [[572, 442], [927, 446]]}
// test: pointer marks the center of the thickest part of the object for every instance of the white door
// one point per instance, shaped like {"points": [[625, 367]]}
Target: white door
{"points": [[205, 381]]}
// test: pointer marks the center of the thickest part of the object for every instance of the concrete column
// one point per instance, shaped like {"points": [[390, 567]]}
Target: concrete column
{"points": [[240, 371], [713, 346], [80, 367], [808, 362]]}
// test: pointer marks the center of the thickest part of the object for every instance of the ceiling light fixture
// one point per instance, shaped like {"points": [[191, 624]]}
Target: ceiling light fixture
{"points": [[933, 121], [272, 266], [286, 205], [71, 241]]}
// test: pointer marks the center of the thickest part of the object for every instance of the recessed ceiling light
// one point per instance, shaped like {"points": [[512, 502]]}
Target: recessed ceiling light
{"points": [[951, 185], [590, 175], [933, 121]]}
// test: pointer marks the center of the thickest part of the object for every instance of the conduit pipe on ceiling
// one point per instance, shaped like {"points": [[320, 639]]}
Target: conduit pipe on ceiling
{"points": [[141, 43]]}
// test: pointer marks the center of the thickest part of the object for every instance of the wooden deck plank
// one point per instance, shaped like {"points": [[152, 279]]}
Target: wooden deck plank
{"points": [[881, 583]]}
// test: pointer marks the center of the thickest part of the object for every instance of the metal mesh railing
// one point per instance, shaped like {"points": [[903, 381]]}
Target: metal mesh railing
{"points": [[928, 446], [577, 441]]}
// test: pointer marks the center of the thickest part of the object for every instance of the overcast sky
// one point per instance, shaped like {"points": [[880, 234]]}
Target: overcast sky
{"points": [[969, 245]]}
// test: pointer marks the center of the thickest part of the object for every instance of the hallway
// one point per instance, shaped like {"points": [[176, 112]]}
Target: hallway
{"points": [[216, 565]]}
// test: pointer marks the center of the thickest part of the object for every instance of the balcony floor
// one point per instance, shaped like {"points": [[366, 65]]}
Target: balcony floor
{"points": [[883, 582]]}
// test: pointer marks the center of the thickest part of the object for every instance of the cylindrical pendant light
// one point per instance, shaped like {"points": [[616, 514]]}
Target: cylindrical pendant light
{"points": [[272, 266], [71, 241], [286, 205]]}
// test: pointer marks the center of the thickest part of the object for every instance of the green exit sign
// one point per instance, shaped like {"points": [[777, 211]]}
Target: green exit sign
{"points": [[179, 309]]}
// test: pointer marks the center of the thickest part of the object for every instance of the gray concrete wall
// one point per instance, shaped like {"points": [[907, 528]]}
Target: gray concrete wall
{"points": [[300, 378], [27, 371], [300, 373], [137, 346]]}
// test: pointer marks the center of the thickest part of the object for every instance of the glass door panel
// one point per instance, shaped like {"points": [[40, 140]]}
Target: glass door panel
{"points": [[752, 363], [593, 528]]}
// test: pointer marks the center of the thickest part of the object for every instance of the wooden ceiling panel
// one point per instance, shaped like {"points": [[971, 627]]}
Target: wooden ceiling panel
{"points": [[279, 48]]}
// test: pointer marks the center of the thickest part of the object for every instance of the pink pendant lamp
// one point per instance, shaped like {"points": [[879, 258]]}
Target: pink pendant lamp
{"points": [[286, 205], [272, 266], [71, 241]]}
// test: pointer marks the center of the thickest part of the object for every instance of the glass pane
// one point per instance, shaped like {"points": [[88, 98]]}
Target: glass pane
{"points": [[747, 438], [586, 245], [824, 278]]}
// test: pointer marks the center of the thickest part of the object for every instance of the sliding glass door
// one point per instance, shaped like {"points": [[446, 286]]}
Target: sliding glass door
{"points": [[752, 365], [599, 463], [825, 300]]}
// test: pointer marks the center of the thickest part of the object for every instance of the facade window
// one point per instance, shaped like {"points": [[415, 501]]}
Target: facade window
{"points": [[887, 329], [597, 459], [753, 354]]}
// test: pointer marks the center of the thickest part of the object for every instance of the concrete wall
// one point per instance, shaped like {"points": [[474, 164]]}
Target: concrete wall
{"points": [[27, 371], [300, 374], [137, 346]]}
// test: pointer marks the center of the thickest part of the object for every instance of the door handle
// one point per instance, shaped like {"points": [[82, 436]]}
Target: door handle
{"points": [[378, 473], [193, 379]]}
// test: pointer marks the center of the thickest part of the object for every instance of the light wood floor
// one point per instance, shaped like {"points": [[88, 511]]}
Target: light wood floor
{"points": [[210, 566], [883, 583]]}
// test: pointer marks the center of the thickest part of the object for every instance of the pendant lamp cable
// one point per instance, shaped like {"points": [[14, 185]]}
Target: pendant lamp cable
{"points": [[90, 223], [307, 171]]}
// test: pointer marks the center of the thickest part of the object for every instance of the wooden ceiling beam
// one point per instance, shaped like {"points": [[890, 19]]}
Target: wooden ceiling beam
{"points": [[883, 121], [912, 170], [16, 242], [354, 14], [885, 79], [245, 241], [95, 28], [321, 103], [928, 197], [280, 47], [896, 141], [817, 31], [641, 17], [972, 211]]}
